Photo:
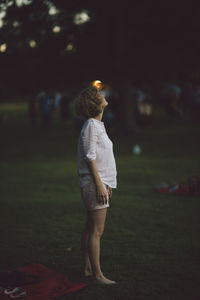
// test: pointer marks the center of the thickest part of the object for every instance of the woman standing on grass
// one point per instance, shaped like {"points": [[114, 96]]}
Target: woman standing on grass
{"points": [[97, 171]]}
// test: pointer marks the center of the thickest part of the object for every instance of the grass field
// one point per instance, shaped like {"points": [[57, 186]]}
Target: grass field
{"points": [[151, 242]]}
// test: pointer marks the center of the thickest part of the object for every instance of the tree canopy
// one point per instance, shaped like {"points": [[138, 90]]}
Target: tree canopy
{"points": [[45, 42]]}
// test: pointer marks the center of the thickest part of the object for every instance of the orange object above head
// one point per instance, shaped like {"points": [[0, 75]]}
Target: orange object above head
{"points": [[98, 84]]}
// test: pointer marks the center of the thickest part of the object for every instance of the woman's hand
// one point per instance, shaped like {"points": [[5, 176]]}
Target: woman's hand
{"points": [[109, 192], [102, 194]]}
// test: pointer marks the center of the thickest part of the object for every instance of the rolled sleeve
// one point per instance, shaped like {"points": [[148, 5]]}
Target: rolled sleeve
{"points": [[89, 142]]}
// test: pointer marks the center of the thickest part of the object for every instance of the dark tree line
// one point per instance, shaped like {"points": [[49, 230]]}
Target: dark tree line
{"points": [[124, 42]]}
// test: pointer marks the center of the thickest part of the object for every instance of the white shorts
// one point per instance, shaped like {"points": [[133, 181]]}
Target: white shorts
{"points": [[89, 197]]}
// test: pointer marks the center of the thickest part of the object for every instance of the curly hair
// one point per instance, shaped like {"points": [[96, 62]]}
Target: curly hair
{"points": [[87, 104]]}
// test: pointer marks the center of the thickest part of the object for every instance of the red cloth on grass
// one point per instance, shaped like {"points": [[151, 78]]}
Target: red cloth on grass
{"points": [[52, 284], [182, 189]]}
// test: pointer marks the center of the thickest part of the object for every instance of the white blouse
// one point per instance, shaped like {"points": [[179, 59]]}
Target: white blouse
{"points": [[94, 144]]}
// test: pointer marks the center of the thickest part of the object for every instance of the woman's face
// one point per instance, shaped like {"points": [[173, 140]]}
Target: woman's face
{"points": [[104, 103]]}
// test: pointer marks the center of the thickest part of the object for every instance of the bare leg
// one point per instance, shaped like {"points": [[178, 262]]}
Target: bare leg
{"points": [[84, 246], [96, 228]]}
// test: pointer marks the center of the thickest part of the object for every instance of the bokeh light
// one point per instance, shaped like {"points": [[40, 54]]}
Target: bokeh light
{"points": [[52, 10], [16, 24], [23, 2], [2, 15], [70, 47], [3, 48], [98, 84], [81, 18], [56, 29], [32, 43]]}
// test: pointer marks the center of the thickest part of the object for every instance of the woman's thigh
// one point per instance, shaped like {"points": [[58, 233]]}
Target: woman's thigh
{"points": [[97, 219]]}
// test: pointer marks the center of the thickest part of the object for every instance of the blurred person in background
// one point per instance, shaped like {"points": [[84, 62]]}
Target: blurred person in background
{"points": [[171, 95], [45, 108], [109, 116], [64, 106]]}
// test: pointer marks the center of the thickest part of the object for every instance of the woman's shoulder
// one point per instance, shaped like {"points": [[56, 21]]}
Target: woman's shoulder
{"points": [[92, 126], [89, 123]]}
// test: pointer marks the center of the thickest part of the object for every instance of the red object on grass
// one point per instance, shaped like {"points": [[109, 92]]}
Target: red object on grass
{"points": [[182, 189], [52, 284]]}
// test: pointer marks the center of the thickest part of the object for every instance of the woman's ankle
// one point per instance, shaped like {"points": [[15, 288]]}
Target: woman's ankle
{"points": [[88, 272], [99, 276]]}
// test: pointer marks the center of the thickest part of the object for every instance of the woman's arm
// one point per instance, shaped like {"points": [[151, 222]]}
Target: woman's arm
{"points": [[102, 194], [89, 147]]}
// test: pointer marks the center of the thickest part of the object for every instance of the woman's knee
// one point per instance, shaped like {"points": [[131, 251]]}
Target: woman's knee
{"points": [[97, 230], [97, 219]]}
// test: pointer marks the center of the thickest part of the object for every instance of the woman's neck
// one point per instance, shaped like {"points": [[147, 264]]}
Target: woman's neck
{"points": [[99, 117]]}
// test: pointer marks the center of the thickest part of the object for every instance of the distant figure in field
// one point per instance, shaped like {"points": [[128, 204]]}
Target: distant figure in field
{"points": [[56, 100], [64, 106], [142, 107], [172, 101], [32, 111], [97, 171], [108, 117], [45, 108]]}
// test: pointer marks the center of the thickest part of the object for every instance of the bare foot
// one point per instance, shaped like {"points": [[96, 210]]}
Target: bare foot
{"points": [[105, 281], [88, 273]]}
